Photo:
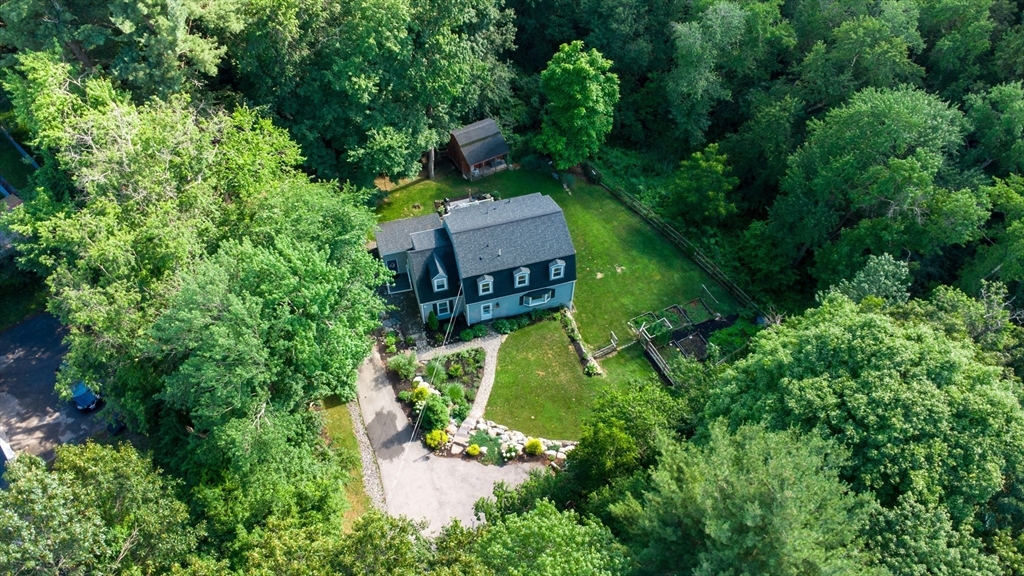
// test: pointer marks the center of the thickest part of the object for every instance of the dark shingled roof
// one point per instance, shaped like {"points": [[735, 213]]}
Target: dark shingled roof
{"points": [[421, 262], [480, 141], [396, 236], [493, 236]]}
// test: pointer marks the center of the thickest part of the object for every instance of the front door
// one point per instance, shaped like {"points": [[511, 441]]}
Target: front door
{"points": [[485, 311]]}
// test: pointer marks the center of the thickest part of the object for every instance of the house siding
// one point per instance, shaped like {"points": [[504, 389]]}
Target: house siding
{"points": [[509, 305], [401, 257], [457, 306]]}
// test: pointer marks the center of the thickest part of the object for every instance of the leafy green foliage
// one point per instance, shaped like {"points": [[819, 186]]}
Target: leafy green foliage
{"points": [[435, 439], [435, 414], [533, 447], [100, 509], [581, 96], [850, 359], [701, 191], [545, 542], [473, 450], [882, 278], [754, 502], [405, 365]]}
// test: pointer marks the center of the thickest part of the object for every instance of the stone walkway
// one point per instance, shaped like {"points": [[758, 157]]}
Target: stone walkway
{"points": [[490, 344]]}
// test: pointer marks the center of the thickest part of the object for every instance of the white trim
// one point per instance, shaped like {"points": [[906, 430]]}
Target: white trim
{"points": [[489, 281], [443, 286], [447, 305], [489, 307], [527, 301], [525, 277], [560, 272]]}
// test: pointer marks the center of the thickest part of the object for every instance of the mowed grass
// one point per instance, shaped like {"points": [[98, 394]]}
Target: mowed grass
{"points": [[540, 389], [624, 267], [342, 434]]}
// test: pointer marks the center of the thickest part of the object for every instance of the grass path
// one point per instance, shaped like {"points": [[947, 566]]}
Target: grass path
{"points": [[340, 430]]}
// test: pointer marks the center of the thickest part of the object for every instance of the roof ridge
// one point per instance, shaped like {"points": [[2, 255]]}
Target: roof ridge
{"points": [[526, 219]]}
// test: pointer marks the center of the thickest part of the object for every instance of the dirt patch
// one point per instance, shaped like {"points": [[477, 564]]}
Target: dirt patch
{"points": [[619, 269], [600, 275]]}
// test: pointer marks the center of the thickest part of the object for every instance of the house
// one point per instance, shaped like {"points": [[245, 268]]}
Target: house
{"points": [[484, 259], [478, 149]]}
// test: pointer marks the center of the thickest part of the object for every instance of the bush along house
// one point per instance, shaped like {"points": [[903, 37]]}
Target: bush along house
{"points": [[484, 259]]}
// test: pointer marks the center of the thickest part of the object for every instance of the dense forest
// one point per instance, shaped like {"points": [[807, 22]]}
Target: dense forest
{"points": [[206, 191]]}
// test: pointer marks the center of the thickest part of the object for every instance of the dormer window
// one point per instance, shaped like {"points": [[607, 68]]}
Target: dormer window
{"points": [[437, 275], [557, 269], [522, 276], [485, 285]]}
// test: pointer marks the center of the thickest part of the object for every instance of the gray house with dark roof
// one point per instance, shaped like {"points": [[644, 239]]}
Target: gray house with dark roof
{"points": [[478, 149], [484, 259]]}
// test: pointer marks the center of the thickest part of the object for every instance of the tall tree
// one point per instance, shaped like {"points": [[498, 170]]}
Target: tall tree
{"points": [[581, 95], [150, 47], [869, 174], [100, 510], [751, 502]]}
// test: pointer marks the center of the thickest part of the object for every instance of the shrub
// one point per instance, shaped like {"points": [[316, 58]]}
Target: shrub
{"points": [[471, 394], [455, 392], [391, 349], [405, 396], [420, 393], [591, 369], [467, 335], [522, 321], [436, 372], [404, 365], [455, 371], [533, 447], [436, 438], [480, 330], [432, 321], [437, 338], [410, 341], [473, 451], [503, 326], [460, 411], [390, 339], [435, 414]]}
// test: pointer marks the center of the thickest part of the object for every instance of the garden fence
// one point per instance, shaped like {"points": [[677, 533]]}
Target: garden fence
{"points": [[689, 248]]}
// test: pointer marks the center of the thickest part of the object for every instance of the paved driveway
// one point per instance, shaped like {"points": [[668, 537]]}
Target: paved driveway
{"points": [[418, 484], [32, 417]]}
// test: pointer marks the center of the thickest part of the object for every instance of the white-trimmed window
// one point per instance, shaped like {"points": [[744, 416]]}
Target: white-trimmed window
{"points": [[538, 299], [440, 284], [557, 269], [522, 277], [485, 285], [443, 308]]}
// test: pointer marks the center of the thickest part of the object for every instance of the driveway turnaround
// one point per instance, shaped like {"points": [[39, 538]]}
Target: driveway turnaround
{"points": [[416, 483], [33, 418]]}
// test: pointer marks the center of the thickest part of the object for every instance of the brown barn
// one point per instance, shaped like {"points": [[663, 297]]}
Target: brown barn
{"points": [[478, 149]]}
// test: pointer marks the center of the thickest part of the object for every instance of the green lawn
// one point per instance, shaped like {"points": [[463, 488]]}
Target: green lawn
{"points": [[343, 437], [11, 167], [624, 267], [540, 389]]}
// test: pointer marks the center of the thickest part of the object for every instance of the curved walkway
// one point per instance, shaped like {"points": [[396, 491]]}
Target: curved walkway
{"points": [[416, 483], [490, 344]]}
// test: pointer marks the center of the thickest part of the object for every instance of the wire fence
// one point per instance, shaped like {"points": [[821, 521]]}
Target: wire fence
{"points": [[688, 248]]}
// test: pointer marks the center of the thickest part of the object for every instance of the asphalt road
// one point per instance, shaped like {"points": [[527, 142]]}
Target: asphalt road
{"points": [[32, 417]]}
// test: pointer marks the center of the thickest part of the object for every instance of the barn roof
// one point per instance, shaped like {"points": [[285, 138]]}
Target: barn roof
{"points": [[480, 141]]}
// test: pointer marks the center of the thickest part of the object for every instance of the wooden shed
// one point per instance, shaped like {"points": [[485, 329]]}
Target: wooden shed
{"points": [[478, 149]]}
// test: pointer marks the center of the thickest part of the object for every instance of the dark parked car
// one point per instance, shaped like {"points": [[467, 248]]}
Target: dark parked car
{"points": [[85, 399]]}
